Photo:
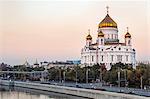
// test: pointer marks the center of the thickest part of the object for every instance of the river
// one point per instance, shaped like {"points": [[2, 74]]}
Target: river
{"points": [[24, 93]]}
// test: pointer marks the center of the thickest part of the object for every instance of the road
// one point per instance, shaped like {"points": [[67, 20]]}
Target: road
{"points": [[98, 86]]}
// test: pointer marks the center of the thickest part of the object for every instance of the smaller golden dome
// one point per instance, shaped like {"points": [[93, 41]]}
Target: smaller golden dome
{"points": [[127, 34], [89, 37], [100, 34]]}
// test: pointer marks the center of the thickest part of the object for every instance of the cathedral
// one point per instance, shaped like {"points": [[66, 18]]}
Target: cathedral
{"points": [[107, 49]]}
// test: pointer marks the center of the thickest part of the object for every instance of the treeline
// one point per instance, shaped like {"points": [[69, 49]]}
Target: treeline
{"points": [[124, 74], [119, 74]]}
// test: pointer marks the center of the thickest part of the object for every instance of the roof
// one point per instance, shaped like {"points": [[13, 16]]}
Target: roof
{"points": [[89, 37], [94, 44], [100, 34], [127, 35], [91, 48], [115, 43], [107, 22]]}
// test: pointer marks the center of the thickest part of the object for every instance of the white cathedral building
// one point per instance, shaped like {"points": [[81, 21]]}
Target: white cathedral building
{"points": [[107, 49]]}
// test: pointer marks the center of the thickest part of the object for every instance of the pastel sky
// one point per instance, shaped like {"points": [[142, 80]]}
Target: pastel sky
{"points": [[56, 30]]}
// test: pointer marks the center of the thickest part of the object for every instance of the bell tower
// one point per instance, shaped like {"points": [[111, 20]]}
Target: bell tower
{"points": [[128, 38], [88, 39]]}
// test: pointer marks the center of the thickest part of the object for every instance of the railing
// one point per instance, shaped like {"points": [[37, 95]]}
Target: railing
{"points": [[22, 72], [89, 93]]}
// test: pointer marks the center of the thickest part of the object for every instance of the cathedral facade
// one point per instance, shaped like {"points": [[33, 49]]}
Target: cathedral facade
{"points": [[107, 49]]}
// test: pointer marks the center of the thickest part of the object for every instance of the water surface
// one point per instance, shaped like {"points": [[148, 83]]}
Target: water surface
{"points": [[24, 93]]}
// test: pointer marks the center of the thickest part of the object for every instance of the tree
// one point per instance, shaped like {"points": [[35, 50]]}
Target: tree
{"points": [[53, 74]]}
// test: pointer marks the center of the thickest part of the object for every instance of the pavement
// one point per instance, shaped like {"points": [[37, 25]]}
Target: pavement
{"points": [[99, 86]]}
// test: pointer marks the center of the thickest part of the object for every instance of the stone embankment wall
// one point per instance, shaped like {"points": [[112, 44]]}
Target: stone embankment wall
{"points": [[95, 94]]}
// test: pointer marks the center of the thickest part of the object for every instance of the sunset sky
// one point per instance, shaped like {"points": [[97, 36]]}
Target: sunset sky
{"points": [[56, 30]]}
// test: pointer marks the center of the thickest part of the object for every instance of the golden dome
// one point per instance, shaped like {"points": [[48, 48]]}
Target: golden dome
{"points": [[89, 37], [127, 35], [107, 22], [100, 34]]}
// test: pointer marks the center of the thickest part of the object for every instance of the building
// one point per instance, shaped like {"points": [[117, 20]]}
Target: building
{"points": [[107, 49], [36, 64], [76, 62], [27, 64], [62, 65]]}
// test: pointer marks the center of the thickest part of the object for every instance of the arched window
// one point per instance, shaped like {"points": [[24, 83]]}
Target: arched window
{"points": [[112, 58], [119, 58], [101, 41], [92, 58], [116, 36], [129, 42], [126, 57], [102, 57]]}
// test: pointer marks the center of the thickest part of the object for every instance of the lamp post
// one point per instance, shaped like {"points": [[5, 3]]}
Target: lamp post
{"points": [[64, 75], [42, 76], [125, 77], [118, 77], [76, 73], [141, 80], [60, 75], [76, 76], [87, 75], [100, 76]]}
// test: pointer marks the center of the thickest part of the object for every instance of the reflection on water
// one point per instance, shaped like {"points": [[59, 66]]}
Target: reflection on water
{"points": [[24, 93]]}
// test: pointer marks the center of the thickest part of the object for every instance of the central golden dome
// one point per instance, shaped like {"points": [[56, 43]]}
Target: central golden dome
{"points": [[107, 22]]}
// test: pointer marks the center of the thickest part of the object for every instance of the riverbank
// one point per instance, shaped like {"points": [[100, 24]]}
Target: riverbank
{"points": [[27, 93], [94, 94]]}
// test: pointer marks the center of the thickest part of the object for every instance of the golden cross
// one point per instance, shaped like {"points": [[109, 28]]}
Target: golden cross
{"points": [[89, 31], [107, 7], [127, 29]]}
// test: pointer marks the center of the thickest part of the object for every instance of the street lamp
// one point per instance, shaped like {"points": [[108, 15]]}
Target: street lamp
{"points": [[118, 77], [125, 77], [42, 76], [64, 75], [141, 80], [87, 75], [76, 77], [100, 70], [60, 75]]}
